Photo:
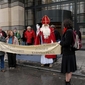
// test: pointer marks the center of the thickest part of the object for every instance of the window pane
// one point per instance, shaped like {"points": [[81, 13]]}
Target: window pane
{"points": [[44, 8], [81, 18], [65, 6], [30, 22], [51, 1], [28, 3], [78, 8], [29, 17], [71, 7], [81, 7]]}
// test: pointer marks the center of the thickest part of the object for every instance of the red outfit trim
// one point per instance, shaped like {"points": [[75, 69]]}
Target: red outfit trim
{"points": [[48, 40]]}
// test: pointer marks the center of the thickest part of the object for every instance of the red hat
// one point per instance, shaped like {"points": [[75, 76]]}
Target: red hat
{"points": [[45, 20]]}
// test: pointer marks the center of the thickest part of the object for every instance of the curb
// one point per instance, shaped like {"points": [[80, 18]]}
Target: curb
{"points": [[83, 49], [52, 70]]}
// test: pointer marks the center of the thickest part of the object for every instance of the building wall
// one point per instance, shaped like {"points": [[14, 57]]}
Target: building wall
{"points": [[5, 17], [12, 15], [17, 16]]}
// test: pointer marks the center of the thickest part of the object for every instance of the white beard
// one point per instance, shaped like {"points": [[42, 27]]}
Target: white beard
{"points": [[46, 31]]}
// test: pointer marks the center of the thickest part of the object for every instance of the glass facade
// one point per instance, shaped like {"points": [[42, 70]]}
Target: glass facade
{"points": [[28, 3], [29, 17], [77, 8]]}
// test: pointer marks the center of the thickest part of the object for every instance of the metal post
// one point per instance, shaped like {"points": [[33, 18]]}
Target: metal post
{"points": [[62, 20], [34, 14], [24, 15], [75, 14]]}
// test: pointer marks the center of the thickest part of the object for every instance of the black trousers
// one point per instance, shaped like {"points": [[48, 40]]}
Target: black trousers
{"points": [[29, 44], [11, 60]]}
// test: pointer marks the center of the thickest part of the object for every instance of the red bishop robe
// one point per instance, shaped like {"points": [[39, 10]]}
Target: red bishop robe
{"points": [[50, 39]]}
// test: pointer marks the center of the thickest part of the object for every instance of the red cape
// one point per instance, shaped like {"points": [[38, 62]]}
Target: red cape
{"points": [[50, 39]]}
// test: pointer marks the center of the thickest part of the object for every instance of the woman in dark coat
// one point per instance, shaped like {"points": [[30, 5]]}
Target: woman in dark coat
{"points": [[68, 59]]}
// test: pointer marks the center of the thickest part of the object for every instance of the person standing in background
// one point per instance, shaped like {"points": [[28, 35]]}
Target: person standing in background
{"points": [[11, 39], [17, 34], [30, 36], [2, 39], [3, 33], [57, 37], [79, 34], [23, 37]]}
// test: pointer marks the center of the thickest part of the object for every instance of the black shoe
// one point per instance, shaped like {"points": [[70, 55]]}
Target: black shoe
{"points": [[67, 83], [54, 60], [3, 70]]}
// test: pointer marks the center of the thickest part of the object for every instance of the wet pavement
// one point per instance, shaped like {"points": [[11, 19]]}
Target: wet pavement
{"points": [[31, 73], [83, 43], [80, 58], [30, 76]]}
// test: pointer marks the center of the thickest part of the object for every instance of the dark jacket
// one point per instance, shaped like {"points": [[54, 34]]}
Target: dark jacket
{"points": [[2, 39], [57, 35], [67, 43], [23, 36], [4, 34], [79, 34]]}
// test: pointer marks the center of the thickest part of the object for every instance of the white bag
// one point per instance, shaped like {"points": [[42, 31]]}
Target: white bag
{"points": [[5, 57]]}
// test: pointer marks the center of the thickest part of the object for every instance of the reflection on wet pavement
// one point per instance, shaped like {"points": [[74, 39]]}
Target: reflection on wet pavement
{"points": [[30, 76]]}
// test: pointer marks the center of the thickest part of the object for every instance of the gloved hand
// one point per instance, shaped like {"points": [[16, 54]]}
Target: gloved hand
{"points": [[38, 29], [59, 42], [51, 41], [37, 26]]}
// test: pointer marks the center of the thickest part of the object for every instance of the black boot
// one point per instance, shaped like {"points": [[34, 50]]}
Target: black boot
{"points": [[68, 83]]}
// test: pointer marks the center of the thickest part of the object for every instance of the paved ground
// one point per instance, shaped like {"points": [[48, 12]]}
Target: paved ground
{"points": [[34, 74], [29, 76], [80, 57], [83, 44]]}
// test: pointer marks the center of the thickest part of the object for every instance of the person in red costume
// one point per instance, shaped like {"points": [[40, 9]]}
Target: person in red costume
{"points": [[45, 35]]}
